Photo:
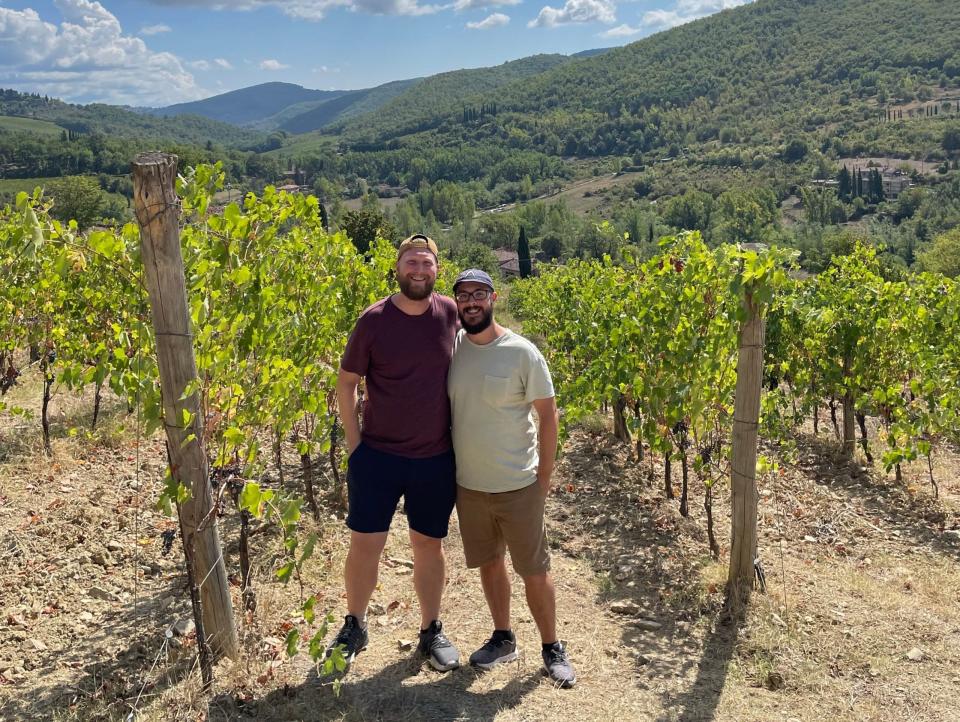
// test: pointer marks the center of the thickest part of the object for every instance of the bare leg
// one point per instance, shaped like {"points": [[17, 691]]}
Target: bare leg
{"points": [[360, 570], [542, 600], [496, 588], [429, 575]]}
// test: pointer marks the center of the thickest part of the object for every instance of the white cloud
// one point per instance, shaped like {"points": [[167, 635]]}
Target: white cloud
{"points": [[199, 64], [317, 9], [87, 57], [461, 5], [272, 64], [320, 69], [222, 63], [495, 20], [685, 11], [621, 31], [575, 11], [155, 29]]}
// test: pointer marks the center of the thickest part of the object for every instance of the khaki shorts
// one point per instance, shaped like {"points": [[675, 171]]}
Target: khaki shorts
{"points": [[492, 523]]}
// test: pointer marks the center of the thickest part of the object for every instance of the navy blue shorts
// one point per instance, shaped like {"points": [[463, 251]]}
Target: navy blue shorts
{"points": [[376, 480]]}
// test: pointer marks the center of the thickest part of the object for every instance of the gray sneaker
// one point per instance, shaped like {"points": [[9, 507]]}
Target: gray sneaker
{"points": [[558, 666], [500, 648], [435, 645]]}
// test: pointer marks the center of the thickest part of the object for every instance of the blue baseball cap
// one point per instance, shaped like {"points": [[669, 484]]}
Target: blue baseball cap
{"points": [[474, 275]]}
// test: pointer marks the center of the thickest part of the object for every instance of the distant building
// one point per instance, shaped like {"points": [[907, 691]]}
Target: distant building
{"points": [[508, 261], [894, 183]]}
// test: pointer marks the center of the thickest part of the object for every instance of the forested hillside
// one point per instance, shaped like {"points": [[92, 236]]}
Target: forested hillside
{"points": [[303, 118], [122, 122], [758, 72], [248, 106]]}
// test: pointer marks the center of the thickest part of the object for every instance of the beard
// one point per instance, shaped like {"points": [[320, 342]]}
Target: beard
{"points": [[415, 292], [481, 324]]}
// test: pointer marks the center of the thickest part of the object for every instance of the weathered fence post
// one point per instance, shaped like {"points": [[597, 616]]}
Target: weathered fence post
{"points": [[746, 420], [156, 206]]}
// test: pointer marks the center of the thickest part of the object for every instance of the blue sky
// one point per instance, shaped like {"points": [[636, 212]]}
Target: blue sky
{"points": [[158, 52]]}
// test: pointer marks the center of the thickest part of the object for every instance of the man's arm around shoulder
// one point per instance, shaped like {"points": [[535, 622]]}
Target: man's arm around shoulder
{"points": [[547, 436]]}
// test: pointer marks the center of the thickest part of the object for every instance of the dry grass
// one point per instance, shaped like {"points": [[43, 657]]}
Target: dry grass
{"points": [[859, 574]]}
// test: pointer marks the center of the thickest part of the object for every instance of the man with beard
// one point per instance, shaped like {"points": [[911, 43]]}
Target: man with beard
{"points": [[504, 464], [402, 346]]}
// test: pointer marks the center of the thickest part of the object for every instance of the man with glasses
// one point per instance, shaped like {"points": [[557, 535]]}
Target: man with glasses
{"points": [[504, 464], [402, 346]]}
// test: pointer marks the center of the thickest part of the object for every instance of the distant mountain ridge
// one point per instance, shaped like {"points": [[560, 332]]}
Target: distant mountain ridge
{"points": [[295, 109], [248, 106]]}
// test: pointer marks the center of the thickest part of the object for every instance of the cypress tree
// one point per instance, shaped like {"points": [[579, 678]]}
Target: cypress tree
{"points": [[324, 218], [843, 184], [523, 252]]}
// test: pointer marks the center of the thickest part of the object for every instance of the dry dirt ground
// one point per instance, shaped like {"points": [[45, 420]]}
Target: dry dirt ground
{"points": [[860, 619]]}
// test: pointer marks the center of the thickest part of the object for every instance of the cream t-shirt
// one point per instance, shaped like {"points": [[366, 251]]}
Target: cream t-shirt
{"points": [[492, 389]]}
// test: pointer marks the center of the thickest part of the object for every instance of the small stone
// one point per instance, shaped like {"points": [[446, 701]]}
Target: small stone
{"points": [[404, 645], [810, 540], [775, 681], [165, 602], [376, 609], [103, 559], [648, 625], [777, 620], [103, 594], [403, 563], [114, 546], [873, 672], [184, 627], [38, 645], [953, 534], [10, 664], [625, 606], [272, 642], [643, 660], [915, 655], [85, 617]]}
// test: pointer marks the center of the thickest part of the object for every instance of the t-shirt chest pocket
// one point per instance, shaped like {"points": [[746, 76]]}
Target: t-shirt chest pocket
{"points": [[496, 390]]}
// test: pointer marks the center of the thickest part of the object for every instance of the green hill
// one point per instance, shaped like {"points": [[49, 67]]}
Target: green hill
{"points": [[298, 119], [733, 88], [249, 106], [120, 122], [11, 124], [438, 96]]}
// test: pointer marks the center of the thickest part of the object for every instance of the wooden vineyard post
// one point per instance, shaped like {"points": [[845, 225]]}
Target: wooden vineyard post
{"points": [[743, 483], [156, 206]]}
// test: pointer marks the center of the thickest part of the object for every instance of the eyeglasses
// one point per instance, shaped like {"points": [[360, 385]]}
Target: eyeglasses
{"points": [[481, 294]]}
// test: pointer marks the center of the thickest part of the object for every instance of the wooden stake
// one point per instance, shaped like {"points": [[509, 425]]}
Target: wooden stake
{"points": [[746, 418], [156, 206]]}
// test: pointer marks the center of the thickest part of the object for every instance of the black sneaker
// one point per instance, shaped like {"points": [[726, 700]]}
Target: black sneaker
{"points": [[351, 639], [558, 666], [435, 645], [500, 648]]}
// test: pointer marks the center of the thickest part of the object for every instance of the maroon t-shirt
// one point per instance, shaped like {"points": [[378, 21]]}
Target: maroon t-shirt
{"points": [[405, 360]]}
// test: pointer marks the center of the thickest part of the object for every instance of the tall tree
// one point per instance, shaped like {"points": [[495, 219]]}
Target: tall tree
{"points": [[844, 185], [523, 251]]}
